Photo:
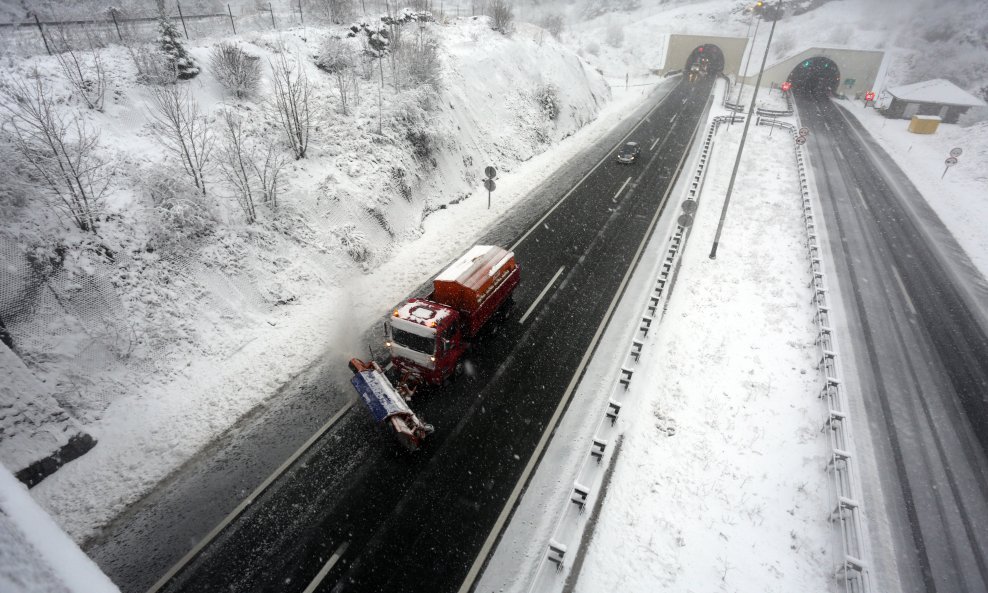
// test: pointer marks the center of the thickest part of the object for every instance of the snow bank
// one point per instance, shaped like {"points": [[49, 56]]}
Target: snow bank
{"points": [[36, 556]]}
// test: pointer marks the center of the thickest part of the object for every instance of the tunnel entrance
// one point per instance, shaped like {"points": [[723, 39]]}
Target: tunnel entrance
{"points": [[815, 77], [708, 58]]}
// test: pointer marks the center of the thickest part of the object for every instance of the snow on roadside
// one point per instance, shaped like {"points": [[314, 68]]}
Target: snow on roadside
{"points": [[960, 197], [718, 485]]}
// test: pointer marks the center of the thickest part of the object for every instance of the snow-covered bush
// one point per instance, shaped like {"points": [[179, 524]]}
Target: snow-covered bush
{"points": [[547, 96], [181, 221], [238, 71], [502, 16], [337, 58], [595, 8], [178, 58], [553, 23], [615, 35], [420, 56], [151, 64], [354, 242]]}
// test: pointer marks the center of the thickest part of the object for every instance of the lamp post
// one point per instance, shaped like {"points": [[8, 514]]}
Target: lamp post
{"points": [[744, 135]]}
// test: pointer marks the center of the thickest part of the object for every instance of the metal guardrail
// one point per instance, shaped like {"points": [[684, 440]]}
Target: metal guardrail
{"points": [[589, 486], [846, 515]]}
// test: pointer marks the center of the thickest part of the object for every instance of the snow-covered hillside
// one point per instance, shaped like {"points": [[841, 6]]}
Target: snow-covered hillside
{"points": [[178, 307]]}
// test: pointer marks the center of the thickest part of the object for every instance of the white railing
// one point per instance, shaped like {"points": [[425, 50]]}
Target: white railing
{"points": [[591, 481], [846, 514]]}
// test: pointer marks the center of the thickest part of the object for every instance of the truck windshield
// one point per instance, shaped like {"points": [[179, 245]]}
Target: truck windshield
{"points": [[412, 341]]}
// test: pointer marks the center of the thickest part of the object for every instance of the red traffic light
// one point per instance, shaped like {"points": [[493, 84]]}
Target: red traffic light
{"points": [[870, 96], [786, 85], [700, 49]]}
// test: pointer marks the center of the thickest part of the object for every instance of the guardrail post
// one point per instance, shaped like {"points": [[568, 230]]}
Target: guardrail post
{"points": [[597, 450], [613, 409], [580, 494], [557, 552]]}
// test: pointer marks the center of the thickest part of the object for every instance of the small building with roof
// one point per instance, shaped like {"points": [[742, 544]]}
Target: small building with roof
{"points": [[937, 97]]}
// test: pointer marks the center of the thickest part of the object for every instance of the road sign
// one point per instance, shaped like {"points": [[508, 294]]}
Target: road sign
{"points": [[800, 140], [689, 207], [804, 131], [489, 185], [951, 161], [491, 172], [685, 220], [870, 96], [956, 152], [786, 86], [849, 82]]}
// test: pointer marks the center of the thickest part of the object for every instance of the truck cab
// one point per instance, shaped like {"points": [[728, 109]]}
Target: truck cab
{"points": [[426, 339], [427, 336]]}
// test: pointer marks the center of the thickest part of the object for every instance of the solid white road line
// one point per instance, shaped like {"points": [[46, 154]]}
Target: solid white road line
{"points": [[902, 287], [590, 172], [326, 568], [247, 501], [542, 294], [509, 505], [623, 185]]}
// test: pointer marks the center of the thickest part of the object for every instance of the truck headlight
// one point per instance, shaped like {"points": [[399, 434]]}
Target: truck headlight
{"points": [[387, 344]]}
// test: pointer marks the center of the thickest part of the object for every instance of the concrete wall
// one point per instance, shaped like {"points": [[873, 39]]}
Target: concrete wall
{"points": [[860, 65], [681, 46]]}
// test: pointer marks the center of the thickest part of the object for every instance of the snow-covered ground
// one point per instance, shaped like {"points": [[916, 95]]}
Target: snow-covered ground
{"points": [[958, 195], [718, 485]]}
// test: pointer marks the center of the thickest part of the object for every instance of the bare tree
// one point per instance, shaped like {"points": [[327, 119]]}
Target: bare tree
{"points": [[236, 164], [268, 172], [339, 60], [292, 93], [63, 152], [502, 16], [182, 129], [238, 71], [87, 76]]}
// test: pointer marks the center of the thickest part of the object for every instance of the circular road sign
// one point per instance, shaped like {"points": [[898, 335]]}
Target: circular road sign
{"points": [[685, 220], [489, 185], [689, 207], [491, 172], [956, 152], [804, 131], [950, 162], [800, 140]]}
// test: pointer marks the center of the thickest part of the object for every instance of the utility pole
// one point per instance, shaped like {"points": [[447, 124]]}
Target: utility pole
{"points": [[744, 135], [751, 50]]}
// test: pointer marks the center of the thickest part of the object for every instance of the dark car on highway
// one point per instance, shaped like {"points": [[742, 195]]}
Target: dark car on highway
{"points": [[629, 153]]}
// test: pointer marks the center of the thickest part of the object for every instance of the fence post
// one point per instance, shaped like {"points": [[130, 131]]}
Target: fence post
{"points": [[271, 8], [42, 31], [113, 13], [232, 24], [301, 18], [182, 17]]}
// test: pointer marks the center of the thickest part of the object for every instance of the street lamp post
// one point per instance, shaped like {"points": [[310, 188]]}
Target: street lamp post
{"points": [[744, 135], [751, 50]]}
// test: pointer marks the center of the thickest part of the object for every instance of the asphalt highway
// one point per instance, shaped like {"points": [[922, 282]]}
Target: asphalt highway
{"points": [[915, 310], [357, 513]]}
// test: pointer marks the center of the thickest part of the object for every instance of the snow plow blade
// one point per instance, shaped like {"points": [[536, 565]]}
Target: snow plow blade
{"points": [[386, 405]]}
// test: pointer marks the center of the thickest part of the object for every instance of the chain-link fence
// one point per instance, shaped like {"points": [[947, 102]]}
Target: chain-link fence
{"points": [[37, 35]]}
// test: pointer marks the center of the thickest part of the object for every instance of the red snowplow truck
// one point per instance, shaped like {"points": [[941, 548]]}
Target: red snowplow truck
{"points": [[427, 336]]}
